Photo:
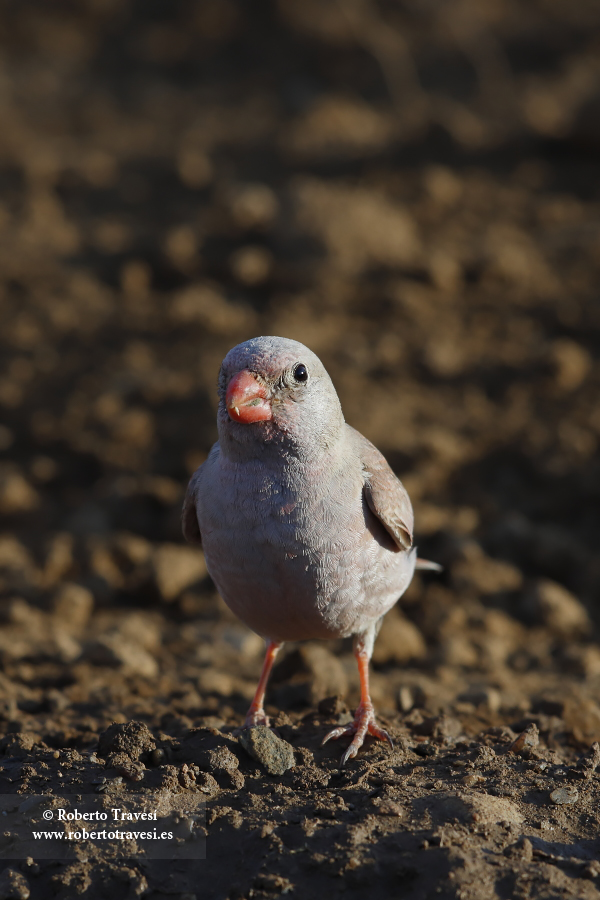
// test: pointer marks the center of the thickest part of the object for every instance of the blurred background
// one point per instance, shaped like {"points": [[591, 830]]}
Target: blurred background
{"points": [[410, 188]]}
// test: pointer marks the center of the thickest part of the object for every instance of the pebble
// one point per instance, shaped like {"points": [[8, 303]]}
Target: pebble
{"points": [[332, 706], [406, 700], [391, 808], [176, 568], [471, 780], [563, 795], [527, 740], [399, 641], [521, 849], [307, 675], [158, 757], [590, 761], [558, 610], [128, 655], [485, 696], [73, 604], [276, 755]]}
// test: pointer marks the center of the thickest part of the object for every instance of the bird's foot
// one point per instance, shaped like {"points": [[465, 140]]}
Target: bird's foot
{"points": [[254, 717], [364, 723]]}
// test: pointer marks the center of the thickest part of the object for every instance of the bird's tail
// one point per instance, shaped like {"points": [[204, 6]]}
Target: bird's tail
{"points": [[428, 566]]}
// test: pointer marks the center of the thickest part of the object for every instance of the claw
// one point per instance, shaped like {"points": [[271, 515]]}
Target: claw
{"points": [[252, 720], [256, 718], [364, 723], [256, 714]]}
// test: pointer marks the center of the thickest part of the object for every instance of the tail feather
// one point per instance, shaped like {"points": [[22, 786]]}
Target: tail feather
{"points": [[427, 565]]}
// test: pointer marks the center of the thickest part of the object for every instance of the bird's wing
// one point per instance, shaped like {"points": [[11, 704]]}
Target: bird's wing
{"points": [[189, 517], [385, 494]]}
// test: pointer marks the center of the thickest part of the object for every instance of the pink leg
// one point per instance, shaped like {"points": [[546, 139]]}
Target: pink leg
{"points": [[256, 714], [364, 718]]}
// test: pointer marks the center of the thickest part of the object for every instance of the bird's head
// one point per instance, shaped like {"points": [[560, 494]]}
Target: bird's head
{"points": [[275, 389]]}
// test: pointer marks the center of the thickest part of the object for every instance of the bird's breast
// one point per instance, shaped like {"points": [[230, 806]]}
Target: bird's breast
{"points": [[293, 561]]}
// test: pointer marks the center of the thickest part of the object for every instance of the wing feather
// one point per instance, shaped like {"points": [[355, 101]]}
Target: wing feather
{"points": [[189, 517], [385, 494]]}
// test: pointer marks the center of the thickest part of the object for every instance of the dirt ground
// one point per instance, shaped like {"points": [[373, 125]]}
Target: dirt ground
{"points": [[413, 190]]}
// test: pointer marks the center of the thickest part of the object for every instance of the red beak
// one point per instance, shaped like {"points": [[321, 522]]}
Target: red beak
{"points": [[246, 399]]}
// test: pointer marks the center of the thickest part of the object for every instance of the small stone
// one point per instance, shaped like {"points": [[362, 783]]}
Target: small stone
{"points": [[158, 757], [13, 885], [426, 749], [590, 761], [16, 494], [306, 675], [276, 755], [564, 795], [399, 641], [406, 699], [458, 650], [572, 363], [210, 681], [251, 264], [332, 706], [391, 808], [592, 870], [471, 780], [253, 205], [128, 655], [482, 696], [483, 573], [18, 744], [526, 741], [176, 568], [521, 849], [73, 605], [439, 727], [15, 558], [552, 605]]}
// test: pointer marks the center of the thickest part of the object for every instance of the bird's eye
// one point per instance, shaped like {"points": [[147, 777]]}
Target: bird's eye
{"points": [[300, 373]]}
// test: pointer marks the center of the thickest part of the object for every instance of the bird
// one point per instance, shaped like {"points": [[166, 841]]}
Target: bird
{"points": [[306, 530]]}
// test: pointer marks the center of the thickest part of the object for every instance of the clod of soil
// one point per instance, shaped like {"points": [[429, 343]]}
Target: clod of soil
{"points": [[130, 739]]}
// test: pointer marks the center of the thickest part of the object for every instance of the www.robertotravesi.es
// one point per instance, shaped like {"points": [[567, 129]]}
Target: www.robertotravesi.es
{"points": [[77, 831], [150, 825], [84, 835]]}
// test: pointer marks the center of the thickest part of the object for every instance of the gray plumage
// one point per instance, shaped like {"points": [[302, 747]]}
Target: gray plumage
{"points": [[306, 530]]}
